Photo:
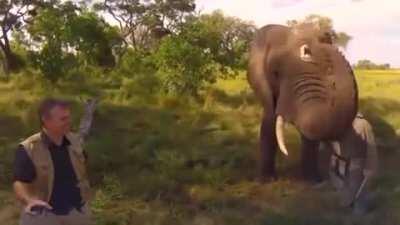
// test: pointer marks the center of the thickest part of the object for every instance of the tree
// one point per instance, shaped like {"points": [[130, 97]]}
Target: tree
{"points": [[93, 39], [13, 15], [325, 24], [227, 38], [140, 22], [49, 49], [129, 14], [183, 68], [65, 35], [205, 48], [167, 15]]}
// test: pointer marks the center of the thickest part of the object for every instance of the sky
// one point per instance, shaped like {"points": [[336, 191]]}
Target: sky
{"points": [[373, 24]]}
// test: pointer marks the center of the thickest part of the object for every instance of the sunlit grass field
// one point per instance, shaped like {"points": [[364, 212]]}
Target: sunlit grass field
{"points": [[170, 161]]}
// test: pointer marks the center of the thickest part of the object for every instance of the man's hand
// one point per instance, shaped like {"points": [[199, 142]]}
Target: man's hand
{"points": [[23, 193], [35, 206]]}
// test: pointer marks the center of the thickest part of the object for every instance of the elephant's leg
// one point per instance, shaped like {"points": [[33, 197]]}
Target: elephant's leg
{"points": [[309, 157], [268, 147]]}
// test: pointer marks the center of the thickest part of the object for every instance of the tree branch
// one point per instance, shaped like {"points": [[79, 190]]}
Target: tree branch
{"points": [[110, 10], [87, 118]]}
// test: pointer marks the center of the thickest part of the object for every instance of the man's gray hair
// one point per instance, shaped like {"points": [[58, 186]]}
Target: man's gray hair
{"points": [[48, 104]]}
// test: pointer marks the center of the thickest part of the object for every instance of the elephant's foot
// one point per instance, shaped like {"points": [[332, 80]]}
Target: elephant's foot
{"points": [[314, 178]]}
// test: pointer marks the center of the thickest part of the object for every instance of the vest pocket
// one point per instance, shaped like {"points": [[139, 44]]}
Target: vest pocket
{"points": [[42, 179]]}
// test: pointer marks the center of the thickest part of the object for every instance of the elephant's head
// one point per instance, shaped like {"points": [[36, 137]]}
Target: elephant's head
{"points": [[315, 85]]}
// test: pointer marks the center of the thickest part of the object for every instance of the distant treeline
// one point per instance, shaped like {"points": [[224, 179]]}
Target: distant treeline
{"points": [[369, 65]]}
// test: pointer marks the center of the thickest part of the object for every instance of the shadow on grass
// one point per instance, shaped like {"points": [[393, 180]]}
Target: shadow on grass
{"points": [[375, 110], [273, 218], [11, 129], [159, 150]]}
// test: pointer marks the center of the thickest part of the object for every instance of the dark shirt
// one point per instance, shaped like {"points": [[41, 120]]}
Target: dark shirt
{"points": [[66, 194]]}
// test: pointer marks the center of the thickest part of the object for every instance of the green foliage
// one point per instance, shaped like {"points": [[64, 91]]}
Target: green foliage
{"points": [[67, 37], [183, 67], [111, 191], [227, 38], [66, 40], [206, 47], [135, 62], [136, 75], [170, 165], [48, 30], [53, 62], [93, 38]]}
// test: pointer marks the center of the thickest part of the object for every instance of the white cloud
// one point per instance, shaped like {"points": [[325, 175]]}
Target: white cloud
{"points": [[373, 24], [284, 3]]}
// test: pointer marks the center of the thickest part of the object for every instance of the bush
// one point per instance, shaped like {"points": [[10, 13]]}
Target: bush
{"points": [[182, 67]]}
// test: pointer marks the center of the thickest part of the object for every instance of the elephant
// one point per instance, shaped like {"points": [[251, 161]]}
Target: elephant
{"points": [[300, 77]]}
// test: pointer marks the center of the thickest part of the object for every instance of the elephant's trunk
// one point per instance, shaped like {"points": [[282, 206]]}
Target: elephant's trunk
{"points": [[325, 105]]}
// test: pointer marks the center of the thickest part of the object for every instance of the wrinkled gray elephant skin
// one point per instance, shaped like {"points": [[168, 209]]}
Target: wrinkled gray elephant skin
{"points": [[300, 77]]}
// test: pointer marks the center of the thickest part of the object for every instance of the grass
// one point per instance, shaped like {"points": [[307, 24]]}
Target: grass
{"points": [[165, 160]]}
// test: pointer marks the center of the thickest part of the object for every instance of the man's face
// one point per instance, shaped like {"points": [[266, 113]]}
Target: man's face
{"points": [[58, 121]]}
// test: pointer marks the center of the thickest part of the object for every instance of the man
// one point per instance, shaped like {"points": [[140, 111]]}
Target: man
{"points": [[354, 164], [50, 176]]}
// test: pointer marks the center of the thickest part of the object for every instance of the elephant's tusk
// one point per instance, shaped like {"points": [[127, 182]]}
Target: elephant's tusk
{"points": [[279, 134]]}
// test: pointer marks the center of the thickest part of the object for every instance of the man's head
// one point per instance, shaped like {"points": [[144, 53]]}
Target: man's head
{"points": [[55, 116]]}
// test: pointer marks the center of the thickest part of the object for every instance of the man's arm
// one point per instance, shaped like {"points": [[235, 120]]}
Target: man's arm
{"points": [[24, 174], [23, 192], [364, 129]]}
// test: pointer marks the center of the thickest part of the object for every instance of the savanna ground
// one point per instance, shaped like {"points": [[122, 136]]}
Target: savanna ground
{"points": [[175, 160]]}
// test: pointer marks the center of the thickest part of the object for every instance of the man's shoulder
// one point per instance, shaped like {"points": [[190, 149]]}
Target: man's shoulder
{"points": [[73, 137], [31, 139]]}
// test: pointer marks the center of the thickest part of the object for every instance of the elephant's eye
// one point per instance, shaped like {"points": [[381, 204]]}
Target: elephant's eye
{"points": [[305, 53]]}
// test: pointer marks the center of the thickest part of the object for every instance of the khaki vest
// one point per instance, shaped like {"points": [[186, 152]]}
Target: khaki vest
{"points": [[42, 186]]}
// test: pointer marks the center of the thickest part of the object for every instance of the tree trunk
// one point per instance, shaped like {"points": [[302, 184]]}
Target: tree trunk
{"points": [[10, 61]]}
